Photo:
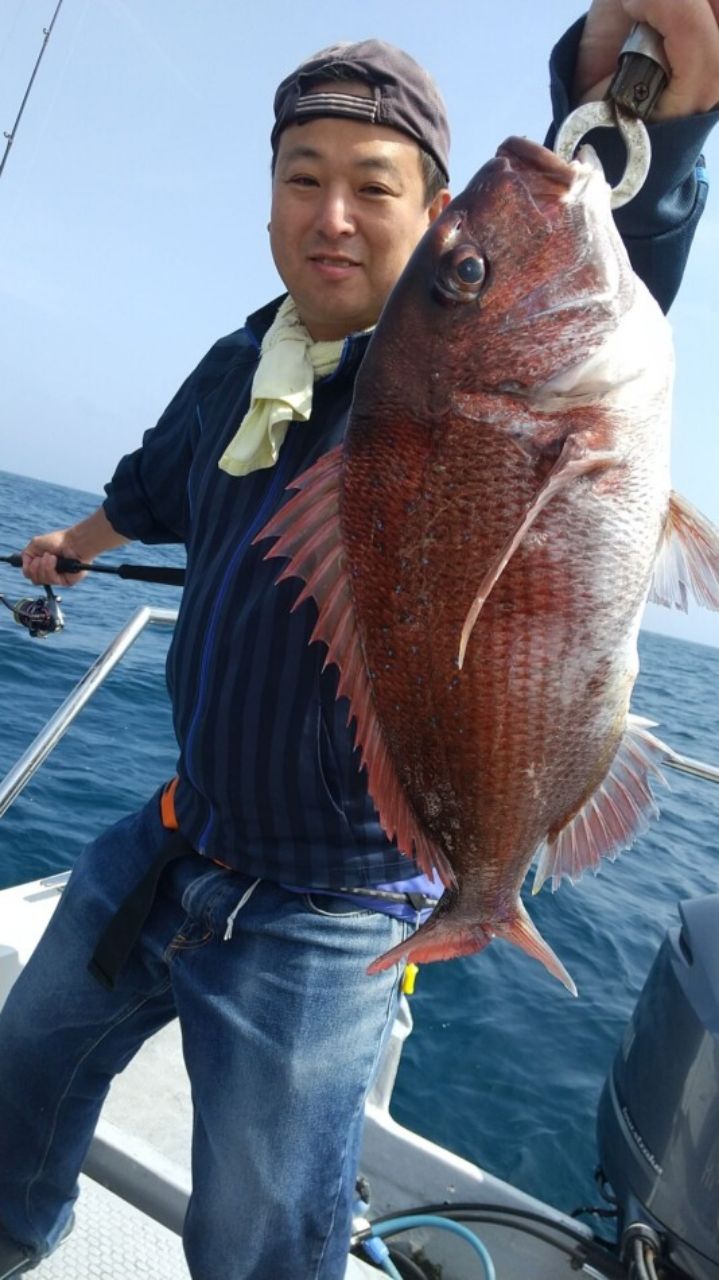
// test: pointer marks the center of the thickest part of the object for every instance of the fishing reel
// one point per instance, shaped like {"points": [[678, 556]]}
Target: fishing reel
{"points": [[41, 617]]}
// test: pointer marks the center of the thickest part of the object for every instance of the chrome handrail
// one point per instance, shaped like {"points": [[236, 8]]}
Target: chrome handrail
{"points": [[59, 723], [697, 768]]}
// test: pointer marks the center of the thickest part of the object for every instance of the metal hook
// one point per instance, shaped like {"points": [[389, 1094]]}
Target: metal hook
{"points": [[600, 115], [641, 78]]}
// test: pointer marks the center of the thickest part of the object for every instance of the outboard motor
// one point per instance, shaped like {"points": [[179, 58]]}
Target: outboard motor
{"points": [[658, 1120]]}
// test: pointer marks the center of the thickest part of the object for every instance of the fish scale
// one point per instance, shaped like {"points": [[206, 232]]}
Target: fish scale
{"points": [[498, 633]]}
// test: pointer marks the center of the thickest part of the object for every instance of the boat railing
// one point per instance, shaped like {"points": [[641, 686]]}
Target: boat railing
{"points": [[697, 768], [119, 1161], [58, 724]]}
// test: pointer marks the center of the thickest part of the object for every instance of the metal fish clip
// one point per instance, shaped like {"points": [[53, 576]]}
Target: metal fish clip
{"points": [[641, 78]]}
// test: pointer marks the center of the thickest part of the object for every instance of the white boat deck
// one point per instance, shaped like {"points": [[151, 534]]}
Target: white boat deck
{"points": [[161, 1114], [114, 1241]]}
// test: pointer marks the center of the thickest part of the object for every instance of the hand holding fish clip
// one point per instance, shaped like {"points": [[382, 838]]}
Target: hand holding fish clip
{"points": [[641, 78]]}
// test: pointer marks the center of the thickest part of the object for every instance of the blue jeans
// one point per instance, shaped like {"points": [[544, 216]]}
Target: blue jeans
{"points": [[281, 1032]]}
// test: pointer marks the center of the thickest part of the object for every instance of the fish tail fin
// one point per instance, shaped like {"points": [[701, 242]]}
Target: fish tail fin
{"points": [[447, 935], [523, 933]]}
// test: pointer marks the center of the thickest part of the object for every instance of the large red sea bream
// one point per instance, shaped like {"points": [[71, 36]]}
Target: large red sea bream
{"points": [[481, 547]]}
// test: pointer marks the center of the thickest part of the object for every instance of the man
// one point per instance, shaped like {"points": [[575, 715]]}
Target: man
{"points": [[225, 901]]}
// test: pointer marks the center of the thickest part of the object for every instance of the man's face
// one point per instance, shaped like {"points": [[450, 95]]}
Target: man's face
{"points": [[348, 208]]}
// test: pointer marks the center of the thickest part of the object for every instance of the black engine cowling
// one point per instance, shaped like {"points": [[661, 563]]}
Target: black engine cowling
{"points": [[658, 1120]]}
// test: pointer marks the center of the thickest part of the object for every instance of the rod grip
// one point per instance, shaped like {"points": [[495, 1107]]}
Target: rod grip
{"points": [[152, 573]]}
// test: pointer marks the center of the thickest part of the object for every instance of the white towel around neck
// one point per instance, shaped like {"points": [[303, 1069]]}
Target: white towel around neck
{"points": [[290, 364]]}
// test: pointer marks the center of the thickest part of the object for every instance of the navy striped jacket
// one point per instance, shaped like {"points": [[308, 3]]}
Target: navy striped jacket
{"points": [[269, 778]]}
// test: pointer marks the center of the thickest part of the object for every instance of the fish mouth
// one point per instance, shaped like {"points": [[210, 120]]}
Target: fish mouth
{"points": [[530, 155]]}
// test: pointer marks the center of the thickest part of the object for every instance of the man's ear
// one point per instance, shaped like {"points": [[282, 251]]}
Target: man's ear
{"points": [[440, 202]]}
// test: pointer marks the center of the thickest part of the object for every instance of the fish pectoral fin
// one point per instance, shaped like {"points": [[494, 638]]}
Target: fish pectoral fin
{"points": [[309, 535], [612, 817], [688, 559], [574, 460]]}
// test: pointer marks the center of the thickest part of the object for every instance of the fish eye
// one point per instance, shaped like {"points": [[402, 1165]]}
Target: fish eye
{"points": [[462, 274]]}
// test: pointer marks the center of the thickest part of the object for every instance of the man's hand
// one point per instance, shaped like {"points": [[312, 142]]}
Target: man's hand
{"points": [[39, 559], [82, 541], [691, 40]]}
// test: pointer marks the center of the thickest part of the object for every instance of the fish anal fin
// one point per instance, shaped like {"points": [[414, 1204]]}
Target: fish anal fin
{"points": [[308, 533], [575, 460], [612, 817], [688, 559]]}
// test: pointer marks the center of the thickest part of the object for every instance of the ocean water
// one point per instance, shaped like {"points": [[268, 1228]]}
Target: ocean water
{"points": [[503, 1066]]}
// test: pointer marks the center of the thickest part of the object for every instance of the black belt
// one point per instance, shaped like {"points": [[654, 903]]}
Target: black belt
{"points": [[417, 901]]}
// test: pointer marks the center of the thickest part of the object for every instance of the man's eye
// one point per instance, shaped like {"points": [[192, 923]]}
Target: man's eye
{"points": [[302, 180], [374, 190]]}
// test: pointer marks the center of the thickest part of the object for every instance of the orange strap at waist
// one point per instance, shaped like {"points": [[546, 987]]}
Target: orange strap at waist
{"points": [[169, 817], [167, 806]]}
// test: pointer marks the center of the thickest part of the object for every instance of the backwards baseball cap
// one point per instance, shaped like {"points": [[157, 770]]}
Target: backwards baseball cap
{"points": [[404, 95]]}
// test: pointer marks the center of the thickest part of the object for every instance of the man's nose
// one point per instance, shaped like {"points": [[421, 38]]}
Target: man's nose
{"points": [[335, 216]]}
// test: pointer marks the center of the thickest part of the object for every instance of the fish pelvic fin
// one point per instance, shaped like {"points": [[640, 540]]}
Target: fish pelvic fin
{"points": [[688, 559], [575, 460], [447, 935], [308, 534], [616, 812]]}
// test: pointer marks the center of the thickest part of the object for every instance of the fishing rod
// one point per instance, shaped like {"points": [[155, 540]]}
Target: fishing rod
{"points": [[10, 137], [134, 572], [43, 616]]}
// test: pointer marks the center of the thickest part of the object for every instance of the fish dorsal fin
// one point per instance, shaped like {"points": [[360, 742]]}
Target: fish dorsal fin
{"points": [[614, 814], [688, 559], [308, 532]]}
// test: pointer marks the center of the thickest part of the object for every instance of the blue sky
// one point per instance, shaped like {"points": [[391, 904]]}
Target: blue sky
{"points": [[134, 204]]}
